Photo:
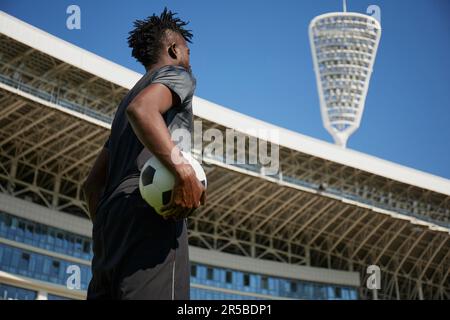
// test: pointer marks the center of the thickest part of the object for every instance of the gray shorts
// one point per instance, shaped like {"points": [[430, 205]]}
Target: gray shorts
{"points": [[137, 254]]}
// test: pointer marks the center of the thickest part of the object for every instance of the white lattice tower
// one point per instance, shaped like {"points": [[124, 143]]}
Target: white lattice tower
{"points": [[344, 46]]}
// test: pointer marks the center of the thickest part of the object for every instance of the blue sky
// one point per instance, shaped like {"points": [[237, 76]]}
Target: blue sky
{"points": [[254, 57]]}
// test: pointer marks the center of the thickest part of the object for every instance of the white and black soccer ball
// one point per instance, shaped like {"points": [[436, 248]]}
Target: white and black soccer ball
{"points": [[156, 181]]}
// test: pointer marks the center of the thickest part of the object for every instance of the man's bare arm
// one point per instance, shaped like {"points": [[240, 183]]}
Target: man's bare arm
{"points": [[145, 114], [95, 182]]}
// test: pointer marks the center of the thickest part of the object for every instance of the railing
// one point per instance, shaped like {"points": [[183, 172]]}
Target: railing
{"points": [[55, 99], [336, 192]]}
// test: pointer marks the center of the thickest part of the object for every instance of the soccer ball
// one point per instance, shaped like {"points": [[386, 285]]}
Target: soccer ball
{"points": [[156, 181]]}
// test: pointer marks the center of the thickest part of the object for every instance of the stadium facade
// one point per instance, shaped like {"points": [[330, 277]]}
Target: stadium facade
{"points": [[308, 232]]}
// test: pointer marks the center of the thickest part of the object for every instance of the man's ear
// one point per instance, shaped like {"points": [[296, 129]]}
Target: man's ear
{"points": [[172, 51]]}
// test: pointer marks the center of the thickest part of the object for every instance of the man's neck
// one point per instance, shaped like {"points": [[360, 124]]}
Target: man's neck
{"points": [[158, 65]]}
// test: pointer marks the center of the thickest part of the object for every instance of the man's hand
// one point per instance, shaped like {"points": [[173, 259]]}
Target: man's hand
{"points": [[187, 195]]}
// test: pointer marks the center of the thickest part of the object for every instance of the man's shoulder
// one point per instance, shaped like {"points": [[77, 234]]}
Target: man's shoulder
{"points": [[177, 78], [173, 72]]}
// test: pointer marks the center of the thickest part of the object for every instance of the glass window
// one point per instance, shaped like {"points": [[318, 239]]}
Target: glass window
{"points": [[37, 237], [44, 232], [209, 273], [345, 293], [238, 278], [338, 292], [228, 277], [78, 245], [255, 281], [66, 243], [8, 221], [59, 239], [15, 258], [322, 292], [86, 246], [353, 294], [29, 230], [56, 297], [8, 292], [308, 291], [51, 269], [24, 261], [70, 244], [54, 271], [193, 270], [46, 267], [37, 266], [246, 279], [293, 287], [36, 234], [21, 229], [51, 237], [14, 223], [264, 282]]}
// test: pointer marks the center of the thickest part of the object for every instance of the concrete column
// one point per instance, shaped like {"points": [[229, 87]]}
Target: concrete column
{"points": [[419, 290], [42, 295]]}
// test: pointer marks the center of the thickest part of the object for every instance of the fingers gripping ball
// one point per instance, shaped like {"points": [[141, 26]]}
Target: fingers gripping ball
{"points": [[156, 181]]}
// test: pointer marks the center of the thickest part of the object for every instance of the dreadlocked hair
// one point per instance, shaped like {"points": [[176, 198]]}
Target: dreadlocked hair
{"points": [[146, 39]]}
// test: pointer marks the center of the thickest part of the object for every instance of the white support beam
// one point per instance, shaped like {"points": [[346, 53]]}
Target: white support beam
{"points": [[26, 128], [436, 250], [13, 107], [330, 221]]}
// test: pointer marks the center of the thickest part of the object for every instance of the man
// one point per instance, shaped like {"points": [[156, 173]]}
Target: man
{"points": [[139, 254]]}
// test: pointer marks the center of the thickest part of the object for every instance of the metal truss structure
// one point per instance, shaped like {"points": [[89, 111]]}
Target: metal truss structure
{"points": [[54, 119]]}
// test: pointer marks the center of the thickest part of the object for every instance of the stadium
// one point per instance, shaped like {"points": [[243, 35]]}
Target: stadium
{"points": [[309, 232]]}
